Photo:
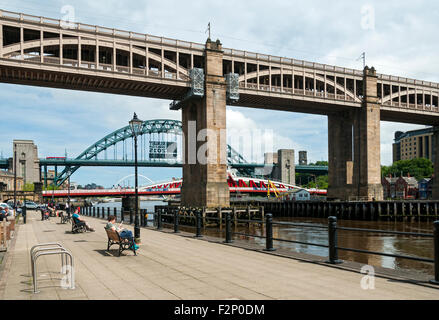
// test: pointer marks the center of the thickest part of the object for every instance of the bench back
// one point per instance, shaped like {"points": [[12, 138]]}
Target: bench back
{"points": [[112, 235]]}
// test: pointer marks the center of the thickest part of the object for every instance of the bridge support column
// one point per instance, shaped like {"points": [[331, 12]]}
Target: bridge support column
{"points": [[435, 143], [205, 145], [340, 156], [367, 147]]}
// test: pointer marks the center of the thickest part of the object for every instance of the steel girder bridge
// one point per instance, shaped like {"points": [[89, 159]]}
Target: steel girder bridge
{"points": [[107, 153]]}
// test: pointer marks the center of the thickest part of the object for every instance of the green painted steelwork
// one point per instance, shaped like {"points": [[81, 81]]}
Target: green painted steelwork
{"points": [[148, 127]]}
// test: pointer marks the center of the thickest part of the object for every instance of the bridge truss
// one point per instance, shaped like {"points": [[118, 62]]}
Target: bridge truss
{"points": [[161, 130]]}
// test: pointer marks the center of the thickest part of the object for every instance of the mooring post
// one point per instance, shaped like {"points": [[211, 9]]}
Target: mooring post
{"points": [[269, 233], [159, 219], [94, 212], [198, 222], [332, 241], [436, 253], [228, 228], [176, 216]]}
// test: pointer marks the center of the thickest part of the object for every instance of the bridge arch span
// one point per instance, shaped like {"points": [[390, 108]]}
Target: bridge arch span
{"points": [[148, 127]]}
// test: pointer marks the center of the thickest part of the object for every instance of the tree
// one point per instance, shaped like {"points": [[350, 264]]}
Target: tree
{"points": [[419, 168], [28, 187]]}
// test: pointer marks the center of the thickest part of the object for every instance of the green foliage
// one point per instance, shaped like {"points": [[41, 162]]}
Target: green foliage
{"points": [[419, 168], [51, 187], [320, 182], [320, 163], [28, 187]]}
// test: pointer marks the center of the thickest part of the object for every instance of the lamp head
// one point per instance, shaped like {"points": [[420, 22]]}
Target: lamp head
{"points": [[136, 125]]}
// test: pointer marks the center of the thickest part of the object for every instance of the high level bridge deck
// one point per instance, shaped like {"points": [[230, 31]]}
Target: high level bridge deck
{"points": [[51, 53]]}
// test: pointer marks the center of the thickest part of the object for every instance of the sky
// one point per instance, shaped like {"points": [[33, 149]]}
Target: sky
{"points": [[399, 38]]}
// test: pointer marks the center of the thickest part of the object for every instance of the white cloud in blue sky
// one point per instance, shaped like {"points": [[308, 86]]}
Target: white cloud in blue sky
{"points": [[403, 43]]}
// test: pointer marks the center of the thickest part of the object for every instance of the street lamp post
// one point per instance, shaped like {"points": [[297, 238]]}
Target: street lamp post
{"points": [[68, 192], [15, 177], [136, 127]]}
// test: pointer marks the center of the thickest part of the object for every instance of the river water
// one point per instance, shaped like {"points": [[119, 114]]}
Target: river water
{"points": [[394, 244]]}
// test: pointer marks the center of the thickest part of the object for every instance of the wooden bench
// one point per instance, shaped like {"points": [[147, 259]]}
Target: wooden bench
{"points": [[124, 244], [78, 227]]}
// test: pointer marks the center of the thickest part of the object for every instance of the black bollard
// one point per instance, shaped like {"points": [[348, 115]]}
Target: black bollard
{"points": [[115, 212], [332, 241], [94, 212], [23, 212], [269, 233], [228, 228], [108, 212], [198, 223], [159, 219], [436, 254], [131, 216], [176, 216], [98, 213]]}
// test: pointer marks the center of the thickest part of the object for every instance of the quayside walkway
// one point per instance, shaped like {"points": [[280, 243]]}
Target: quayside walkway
{"points": [[170, 266]]}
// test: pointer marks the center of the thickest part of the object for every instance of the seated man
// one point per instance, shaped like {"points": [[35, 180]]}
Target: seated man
{"points": [[81, 221], [123, 233]]}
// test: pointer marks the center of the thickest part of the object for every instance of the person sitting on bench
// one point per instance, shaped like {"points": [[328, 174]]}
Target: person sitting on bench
{"points": [[81, 221], [123, 233]]}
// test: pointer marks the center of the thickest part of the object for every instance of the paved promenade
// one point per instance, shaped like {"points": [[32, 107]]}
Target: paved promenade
{"points": [[171, 266]]}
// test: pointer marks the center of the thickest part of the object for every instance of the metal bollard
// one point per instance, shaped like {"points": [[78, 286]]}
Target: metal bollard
{"points": [[269, 233], [176, 216], [228, 228], [115, 212], [131, 216], [94, 212], [23, 212], [159, 219], [108, 212], [198, 223], [332, 241], [142, 217], [436, 254], [98, 213]]}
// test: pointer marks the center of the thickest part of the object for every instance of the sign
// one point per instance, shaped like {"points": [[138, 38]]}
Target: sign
{"points": [[162, 150]]}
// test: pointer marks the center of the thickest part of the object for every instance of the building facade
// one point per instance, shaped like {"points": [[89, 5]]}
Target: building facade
{"points": [[27, 162], [413, 144], [7, 179]]}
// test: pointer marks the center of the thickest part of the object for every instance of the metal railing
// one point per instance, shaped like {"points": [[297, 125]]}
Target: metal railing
{"points": [[332, 229]]}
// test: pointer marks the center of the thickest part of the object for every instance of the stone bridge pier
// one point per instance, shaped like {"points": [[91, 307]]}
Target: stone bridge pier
{"points": [[354, 148], [205, 145]]}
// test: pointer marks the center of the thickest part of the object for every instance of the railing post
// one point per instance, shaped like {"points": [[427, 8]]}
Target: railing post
{"points": [[332, 241], [98, 213], [115, 212], [436, 253], [108, 212], [131, 216], [176, 221], [228, 229], [94, 212], [159, 219], [198, 222], [269, 233]]}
